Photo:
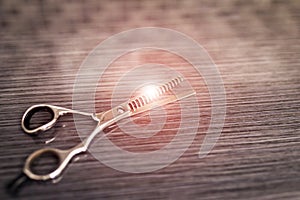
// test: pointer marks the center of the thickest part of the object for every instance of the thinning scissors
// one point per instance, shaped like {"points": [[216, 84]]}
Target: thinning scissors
{"points": [[104, 119]]}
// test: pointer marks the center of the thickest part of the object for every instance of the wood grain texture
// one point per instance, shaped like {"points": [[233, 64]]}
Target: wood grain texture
{"points": [[256, 47]]}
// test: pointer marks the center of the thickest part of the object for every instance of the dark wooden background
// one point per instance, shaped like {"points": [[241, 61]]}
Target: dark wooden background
{"points": [[256, 47]]}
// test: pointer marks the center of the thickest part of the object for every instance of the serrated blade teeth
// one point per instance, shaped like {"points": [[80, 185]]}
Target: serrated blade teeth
{"points": [[152, 93]]}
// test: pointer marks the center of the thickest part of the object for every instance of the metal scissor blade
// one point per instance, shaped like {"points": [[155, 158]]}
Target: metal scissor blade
{"points": [[124, 111], [144, 102], [164, 101]]}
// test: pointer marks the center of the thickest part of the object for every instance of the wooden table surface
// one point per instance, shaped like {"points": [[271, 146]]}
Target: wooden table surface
{"points": [[256, 47]]}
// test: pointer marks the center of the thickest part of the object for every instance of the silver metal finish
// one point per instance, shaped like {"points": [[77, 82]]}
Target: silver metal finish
{"points": [[105, 119]]}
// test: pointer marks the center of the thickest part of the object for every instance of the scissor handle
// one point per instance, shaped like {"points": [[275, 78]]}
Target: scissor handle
{"points": [[63, 156], [55, 112]]}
